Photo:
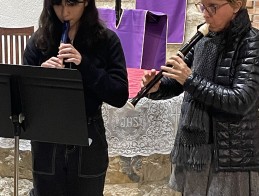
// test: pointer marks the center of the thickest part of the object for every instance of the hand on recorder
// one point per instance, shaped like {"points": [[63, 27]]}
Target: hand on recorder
{"points": [[147, 77], [53, 62], [69, 53], [179, 70]]}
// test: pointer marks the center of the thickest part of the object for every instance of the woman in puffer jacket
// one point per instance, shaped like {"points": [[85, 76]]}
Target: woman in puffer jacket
{"points": [[216, 151]]}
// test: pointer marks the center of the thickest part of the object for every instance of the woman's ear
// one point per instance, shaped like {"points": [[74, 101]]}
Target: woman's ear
{"points": [[237, 6], [86, 3]]}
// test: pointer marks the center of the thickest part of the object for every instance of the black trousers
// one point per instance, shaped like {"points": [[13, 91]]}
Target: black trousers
{"points": [[66, 170]]}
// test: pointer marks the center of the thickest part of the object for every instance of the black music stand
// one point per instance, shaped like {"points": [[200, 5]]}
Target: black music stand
{"points": [[41, 104]]}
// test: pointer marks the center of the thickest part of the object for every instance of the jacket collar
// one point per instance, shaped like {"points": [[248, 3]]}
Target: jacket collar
{"points": [[240, 24]]}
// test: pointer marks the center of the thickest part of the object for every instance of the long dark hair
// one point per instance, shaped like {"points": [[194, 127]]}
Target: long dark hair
{"points": [[50, 27]]}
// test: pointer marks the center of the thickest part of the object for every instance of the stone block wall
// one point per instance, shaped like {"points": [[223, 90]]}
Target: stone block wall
{"points": [[253, 10]]}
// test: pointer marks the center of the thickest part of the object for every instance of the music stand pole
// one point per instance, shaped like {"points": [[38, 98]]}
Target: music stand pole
{"points": [[17, 119], [16, 165]]}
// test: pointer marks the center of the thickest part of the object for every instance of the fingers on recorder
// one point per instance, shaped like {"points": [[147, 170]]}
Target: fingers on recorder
{"points": [[147, 77]]}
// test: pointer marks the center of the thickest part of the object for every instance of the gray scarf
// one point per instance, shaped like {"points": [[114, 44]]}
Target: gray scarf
{"points": [[191, 148]]}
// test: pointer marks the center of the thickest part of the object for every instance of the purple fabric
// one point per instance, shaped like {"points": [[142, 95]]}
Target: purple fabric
{"points": [[176, 12], [143, 40]]}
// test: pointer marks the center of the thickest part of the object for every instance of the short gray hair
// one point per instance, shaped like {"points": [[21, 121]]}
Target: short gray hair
{"points": [[233, 2]]}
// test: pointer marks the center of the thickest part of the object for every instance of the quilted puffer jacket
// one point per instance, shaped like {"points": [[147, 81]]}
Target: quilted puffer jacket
{"points": [[233, 97]]}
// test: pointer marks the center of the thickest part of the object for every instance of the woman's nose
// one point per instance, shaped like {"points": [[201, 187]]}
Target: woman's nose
{"points": [[65, 10]]}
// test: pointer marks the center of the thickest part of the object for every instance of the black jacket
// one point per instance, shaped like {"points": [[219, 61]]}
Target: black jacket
{"points": [[103, 72], [233, 96]]}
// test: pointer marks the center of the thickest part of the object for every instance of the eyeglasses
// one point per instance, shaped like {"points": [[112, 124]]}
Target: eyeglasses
{"points": [[210, 9]]}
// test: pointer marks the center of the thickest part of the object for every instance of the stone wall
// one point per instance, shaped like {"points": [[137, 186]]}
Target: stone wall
{"points": [[253, 10], [126, 175]]}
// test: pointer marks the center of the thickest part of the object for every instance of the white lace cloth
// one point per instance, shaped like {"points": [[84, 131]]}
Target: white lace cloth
{"points": [[148, 129]]}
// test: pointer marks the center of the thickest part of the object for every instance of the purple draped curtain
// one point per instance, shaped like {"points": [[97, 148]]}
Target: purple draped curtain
{"points": [[142, 34], [176, 12]]}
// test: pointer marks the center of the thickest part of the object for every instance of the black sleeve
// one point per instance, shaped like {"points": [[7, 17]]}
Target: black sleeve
{"points": [[109, 84], [31, 54]]}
